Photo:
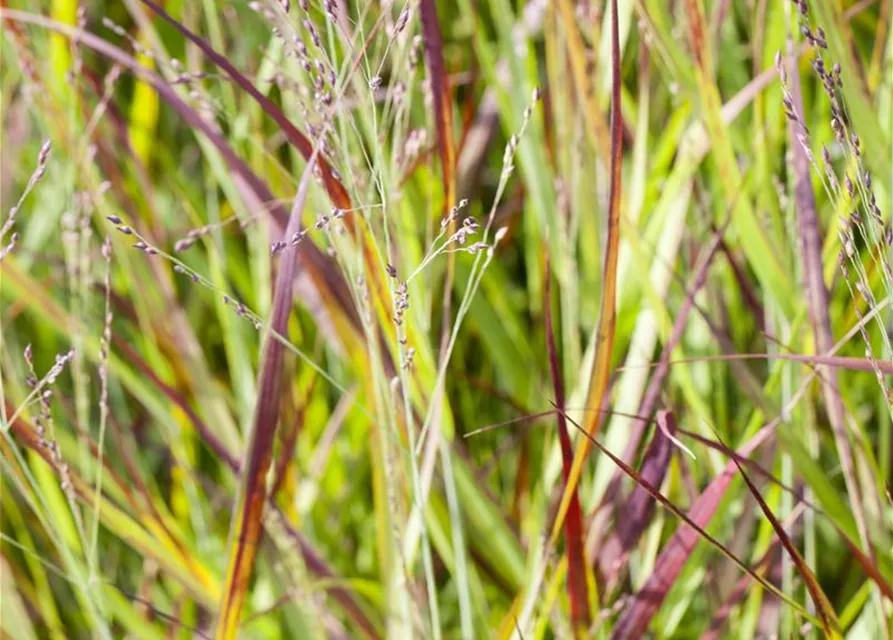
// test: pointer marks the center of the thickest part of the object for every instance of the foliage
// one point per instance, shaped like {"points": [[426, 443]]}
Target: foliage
{"points": [[451, 320]]}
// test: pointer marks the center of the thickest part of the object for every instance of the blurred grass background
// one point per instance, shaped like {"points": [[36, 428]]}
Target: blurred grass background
{"points": [[223, 426]]}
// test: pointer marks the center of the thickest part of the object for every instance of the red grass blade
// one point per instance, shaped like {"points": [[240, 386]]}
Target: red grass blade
{"points": [[287, 441], [443, 117], [573, 526], [248, 511], [837, 362], [607, 322]]}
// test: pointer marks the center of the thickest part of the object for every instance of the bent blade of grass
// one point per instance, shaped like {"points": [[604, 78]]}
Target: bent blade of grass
{"points": [[576, 553], [832, 505], [827, 616], [247, 521], [607, 318]]}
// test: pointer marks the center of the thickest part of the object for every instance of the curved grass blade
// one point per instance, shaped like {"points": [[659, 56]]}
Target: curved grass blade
{"points": [[826, 614], [850, 363], [576, 553], [874, 570], [607, 322], [247, 521]]}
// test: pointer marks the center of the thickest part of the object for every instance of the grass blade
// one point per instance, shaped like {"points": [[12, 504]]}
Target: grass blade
{"points": [[607, 322], [248, 511], [874, 570], [637, 615], [828, 618], [576, 553], [443, 105]]}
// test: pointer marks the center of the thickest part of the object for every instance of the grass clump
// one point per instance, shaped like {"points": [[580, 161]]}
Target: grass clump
{"points": [[414, 319]]}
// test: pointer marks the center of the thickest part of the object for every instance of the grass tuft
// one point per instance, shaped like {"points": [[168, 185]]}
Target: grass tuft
{"points": [[312, 315]]}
